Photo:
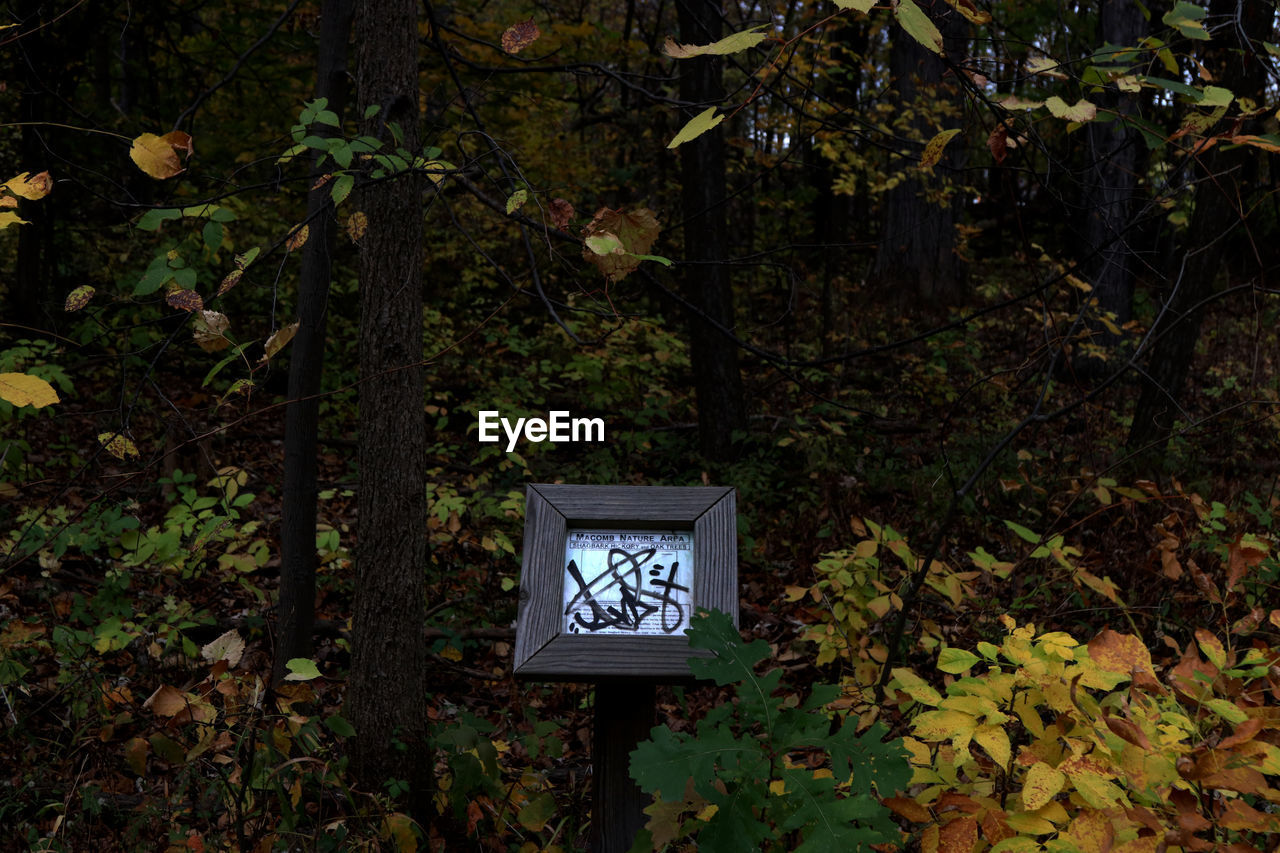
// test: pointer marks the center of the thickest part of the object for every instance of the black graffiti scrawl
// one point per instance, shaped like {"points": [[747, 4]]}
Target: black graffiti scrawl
{"points": [[628, 582]]}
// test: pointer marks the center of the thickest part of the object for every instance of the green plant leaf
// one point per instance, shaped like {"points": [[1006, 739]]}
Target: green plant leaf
{"points": [[732, 44], [956, 661], [917, 25], [1185, 18], [301, 669], [697, 126]]}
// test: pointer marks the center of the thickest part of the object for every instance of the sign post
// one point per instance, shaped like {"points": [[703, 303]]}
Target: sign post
{"points": [[610, 578]]}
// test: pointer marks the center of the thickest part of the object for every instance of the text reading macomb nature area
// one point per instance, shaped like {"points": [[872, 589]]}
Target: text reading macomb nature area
{"points": [[628, 581], [558, 426]]}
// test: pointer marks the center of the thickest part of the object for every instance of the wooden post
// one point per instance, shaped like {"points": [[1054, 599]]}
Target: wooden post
{"points": [[624, 715]]}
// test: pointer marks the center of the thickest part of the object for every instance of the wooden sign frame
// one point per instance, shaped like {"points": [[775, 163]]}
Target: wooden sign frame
{"points": [[544, 651]]}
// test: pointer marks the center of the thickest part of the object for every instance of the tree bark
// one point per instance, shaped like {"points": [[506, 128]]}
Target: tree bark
{"points": [[296, 612], [387, 690], [708, 288], [916, 256], [1232, 58], [1111, 185]]}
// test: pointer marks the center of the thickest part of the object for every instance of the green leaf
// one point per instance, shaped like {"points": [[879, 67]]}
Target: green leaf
{"points": [[517, 200], [918, 25], [1023, 533], [956, 661], [697, 126], [212, 234], [537, 812], [341, 188], [152, 219], [1185, 18], [857, 5], [1173, 86], [732, 44], [301, 669], [339, 726]]}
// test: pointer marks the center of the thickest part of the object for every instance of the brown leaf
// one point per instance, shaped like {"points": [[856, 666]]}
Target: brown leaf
{"points": [[958, 836], [908, 808], [1242, 557], [635, 232], [357, 224], [185, 300], [79, 298], [209, 330], [297, 239], [166, 701], [997, 143], [1127, 730], [1243, 733], [560, 212], [519, 36]]}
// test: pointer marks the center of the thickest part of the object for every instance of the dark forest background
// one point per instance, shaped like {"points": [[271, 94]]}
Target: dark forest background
{"points": [[971, 302]]}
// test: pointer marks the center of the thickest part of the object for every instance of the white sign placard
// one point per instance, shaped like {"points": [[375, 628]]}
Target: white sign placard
{"points": [[628, 581]]}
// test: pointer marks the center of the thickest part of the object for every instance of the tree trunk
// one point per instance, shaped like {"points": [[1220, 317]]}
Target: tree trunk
{"points": [[1235, 65], [1112, 180], [386, 695], [717, 378], [296, 612], [916, 256]]}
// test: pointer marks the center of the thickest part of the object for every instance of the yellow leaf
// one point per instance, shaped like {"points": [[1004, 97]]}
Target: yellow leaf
{"points": [[943, 725], [451, 653], [278, 341], [708, 812], [33, 188], [158, 155], [995, 741], [297, 239], [398, 828], [23, 389], [8, 217], [778, 787], [933, 151], [117, 445], [1042, 784]]}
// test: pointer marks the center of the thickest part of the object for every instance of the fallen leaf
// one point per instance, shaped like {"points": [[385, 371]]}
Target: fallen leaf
{"points": [[166, 701]]}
